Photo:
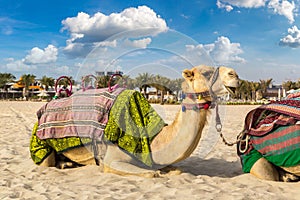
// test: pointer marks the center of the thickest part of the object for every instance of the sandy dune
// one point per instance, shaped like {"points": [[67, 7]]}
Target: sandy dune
{"points": [[213, 172]]}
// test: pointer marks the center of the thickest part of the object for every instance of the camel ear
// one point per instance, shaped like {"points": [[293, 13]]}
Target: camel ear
{"points": [[188, 74]]}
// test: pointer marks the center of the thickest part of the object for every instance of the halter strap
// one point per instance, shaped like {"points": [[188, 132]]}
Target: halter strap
{"points": [[196, 106], [198, 95], [213, 80]]}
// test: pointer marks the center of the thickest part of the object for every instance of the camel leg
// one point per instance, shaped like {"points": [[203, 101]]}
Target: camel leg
{"points": [[294, 170], [49, 161], [290, 174], [118, 162], [81, 155], [263, 169]]}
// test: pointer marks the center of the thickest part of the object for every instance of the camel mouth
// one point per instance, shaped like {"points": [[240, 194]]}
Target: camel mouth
{"points": [[231, 90]]}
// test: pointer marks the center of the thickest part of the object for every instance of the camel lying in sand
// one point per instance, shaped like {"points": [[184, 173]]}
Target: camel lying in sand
{"points": [[269, 145], [171, 143]]}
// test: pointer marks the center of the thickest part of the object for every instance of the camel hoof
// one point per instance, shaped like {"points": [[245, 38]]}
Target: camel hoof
{"points": [[170, 171], [290, 178], [64, 165]]}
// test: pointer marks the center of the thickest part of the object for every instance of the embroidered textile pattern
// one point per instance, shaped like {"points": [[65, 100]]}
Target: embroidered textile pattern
{"points": [[274, 134], [84, 114], [133, 124]]}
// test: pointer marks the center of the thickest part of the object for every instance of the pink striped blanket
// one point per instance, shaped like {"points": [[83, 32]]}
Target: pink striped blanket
{"points": [[84, 114]]}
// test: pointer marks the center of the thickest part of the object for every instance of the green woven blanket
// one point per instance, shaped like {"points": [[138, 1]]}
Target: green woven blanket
{"points": [[132, 125]]}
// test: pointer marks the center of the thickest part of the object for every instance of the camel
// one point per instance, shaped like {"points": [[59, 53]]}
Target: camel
{"points": [[174, 142], [269, 144]]}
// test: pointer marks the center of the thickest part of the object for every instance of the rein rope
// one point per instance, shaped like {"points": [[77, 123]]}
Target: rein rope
{"points": [[219, 126]]}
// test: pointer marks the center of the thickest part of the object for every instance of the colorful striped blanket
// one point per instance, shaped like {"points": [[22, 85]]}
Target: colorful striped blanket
{"points": [[273, 134], [84, 114]]}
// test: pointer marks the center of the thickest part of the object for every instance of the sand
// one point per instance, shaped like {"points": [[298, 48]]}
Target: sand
{"points": [[213, 174]]}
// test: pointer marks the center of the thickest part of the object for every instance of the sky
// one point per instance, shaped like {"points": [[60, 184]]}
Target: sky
{"points": [[260, 39]]}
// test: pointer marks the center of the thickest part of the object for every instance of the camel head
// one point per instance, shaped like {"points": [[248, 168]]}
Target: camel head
{"points": [[198, 79]]}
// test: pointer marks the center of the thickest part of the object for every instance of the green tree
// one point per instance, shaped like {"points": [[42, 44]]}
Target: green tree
{"points": [[47, 82], [26, 80], [65, 81], [161, 84], [176, 85], [288, 85], [129, 82], [255, 86], [244, 90], [264, 84], [142, 81], [102, 81], [6, 78]]}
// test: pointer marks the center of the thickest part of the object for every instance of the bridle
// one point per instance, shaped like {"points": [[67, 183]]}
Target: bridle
{"points": [[196, 106], [209, 104], [201, 95]]}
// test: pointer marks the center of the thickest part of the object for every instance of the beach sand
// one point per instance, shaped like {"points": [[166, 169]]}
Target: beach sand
{"points": [[212, 172]]}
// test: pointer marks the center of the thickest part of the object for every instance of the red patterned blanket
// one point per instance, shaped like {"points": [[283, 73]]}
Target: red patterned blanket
{"points": [[274, 132]]}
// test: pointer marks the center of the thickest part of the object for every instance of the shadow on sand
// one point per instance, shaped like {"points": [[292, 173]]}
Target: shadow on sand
{"points": [[211, 167]]}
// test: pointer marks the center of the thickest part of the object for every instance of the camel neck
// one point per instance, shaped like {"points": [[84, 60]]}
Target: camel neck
{"points": [[178, 140]]}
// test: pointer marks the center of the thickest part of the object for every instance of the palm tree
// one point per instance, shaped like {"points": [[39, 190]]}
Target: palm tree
{"points": [[175, 85], [65, 81], [288, 85], [142, 80], [264, 84], [162, 84], [6, 78], [47, 82], [62, 84], [255, 86], [244, 90], [102, 81], [129, 82], [26, 80]]}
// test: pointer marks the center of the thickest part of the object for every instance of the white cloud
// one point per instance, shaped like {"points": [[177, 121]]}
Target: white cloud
{"points": [[222, 51], [99, 27], [228, 8], [40, 56], [227, 4], [62, 70], [283, 7], [108, 43], [184, 16], [131, 22], [36, 58], [17, 66], [77, 49], [292, 39], [142, 43]]}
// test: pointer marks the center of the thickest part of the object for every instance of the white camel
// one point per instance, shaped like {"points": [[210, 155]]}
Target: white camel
{"points": [[174, 142]]}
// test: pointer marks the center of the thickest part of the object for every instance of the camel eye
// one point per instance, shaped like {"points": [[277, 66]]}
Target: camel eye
{"points": [[231, 74]]}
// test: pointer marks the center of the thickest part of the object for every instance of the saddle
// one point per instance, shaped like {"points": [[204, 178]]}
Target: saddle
{"points": [[82, 114]]}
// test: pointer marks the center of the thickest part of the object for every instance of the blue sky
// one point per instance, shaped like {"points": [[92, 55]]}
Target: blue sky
{"points": [[258, 38]]}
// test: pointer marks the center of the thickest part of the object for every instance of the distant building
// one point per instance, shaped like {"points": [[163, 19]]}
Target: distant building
{"points": [[275, 92], [108, 73], [35, 86]]}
